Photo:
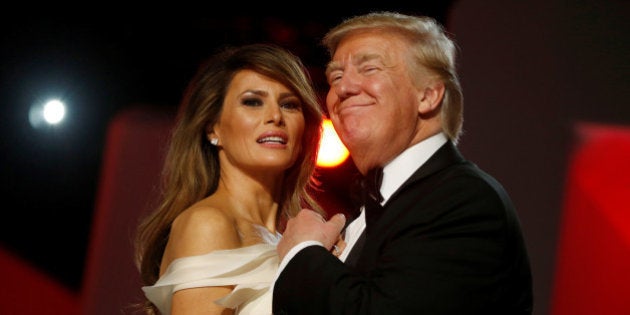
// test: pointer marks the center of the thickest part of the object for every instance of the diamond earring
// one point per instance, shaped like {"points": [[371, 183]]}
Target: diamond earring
{"points": [[214, 141]]}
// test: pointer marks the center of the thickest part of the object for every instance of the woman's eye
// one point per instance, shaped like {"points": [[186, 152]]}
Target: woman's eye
{"points": [[291, 105], [252, 102]]}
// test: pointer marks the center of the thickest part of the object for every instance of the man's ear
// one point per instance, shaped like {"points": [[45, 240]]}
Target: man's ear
{"points": [[430, 97]]}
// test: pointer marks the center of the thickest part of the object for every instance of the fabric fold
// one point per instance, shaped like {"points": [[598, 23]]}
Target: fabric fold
{"points": [[250, 269]]}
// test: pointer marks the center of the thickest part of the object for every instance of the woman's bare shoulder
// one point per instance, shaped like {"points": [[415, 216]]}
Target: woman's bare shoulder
{"points": [[202, 229]]}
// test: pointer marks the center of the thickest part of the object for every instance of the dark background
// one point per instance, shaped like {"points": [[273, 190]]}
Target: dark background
{"points": [[100, 63], [529, 70]]}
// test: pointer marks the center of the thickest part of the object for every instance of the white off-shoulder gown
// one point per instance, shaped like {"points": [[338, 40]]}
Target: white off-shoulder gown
{"points": [[250, 269]]}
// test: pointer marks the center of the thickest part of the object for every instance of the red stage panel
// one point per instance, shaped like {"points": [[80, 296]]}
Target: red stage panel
{"points": [[26, 290], [132, 161], [593, 262]]}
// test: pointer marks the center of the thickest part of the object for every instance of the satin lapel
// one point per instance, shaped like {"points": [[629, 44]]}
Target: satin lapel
{"points": [[381, 219], [356, 250], [380, 230], [373, 212], [444, 157]]}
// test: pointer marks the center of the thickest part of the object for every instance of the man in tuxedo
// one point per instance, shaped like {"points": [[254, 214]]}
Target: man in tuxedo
{"points": [[437, 234]]}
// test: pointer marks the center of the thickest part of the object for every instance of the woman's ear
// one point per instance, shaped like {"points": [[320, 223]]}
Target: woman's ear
{"points": [[430, 97], [211, 135]]}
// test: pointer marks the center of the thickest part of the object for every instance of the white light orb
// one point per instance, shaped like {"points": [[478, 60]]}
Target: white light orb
{"points": [[54, 111]]}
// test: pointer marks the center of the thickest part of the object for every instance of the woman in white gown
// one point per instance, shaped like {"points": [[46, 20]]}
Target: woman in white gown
{"points": [[239, 163]]}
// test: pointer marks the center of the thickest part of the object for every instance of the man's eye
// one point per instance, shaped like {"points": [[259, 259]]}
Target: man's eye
{"points": [[333, 77], [369, 69]]}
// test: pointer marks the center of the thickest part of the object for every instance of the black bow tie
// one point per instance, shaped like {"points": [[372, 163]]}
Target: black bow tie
{"points": [[371, 184], [366, 192], [366, 189]]}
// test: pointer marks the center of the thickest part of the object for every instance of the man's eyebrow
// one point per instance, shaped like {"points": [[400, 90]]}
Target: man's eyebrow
{"points": [[332, 66], [359, 59]]}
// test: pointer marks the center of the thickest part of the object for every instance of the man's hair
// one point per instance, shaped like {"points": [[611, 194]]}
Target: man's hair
{"points": [[433, 50]]}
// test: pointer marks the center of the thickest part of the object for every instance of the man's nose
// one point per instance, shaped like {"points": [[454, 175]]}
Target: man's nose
{"points": [[347, 86]]}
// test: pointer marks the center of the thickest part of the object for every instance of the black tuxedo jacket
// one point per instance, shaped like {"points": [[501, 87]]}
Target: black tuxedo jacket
{"points": [[448, 242]]}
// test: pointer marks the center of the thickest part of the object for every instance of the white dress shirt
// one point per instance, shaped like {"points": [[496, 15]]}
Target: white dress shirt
{"points": [[395, 173]]}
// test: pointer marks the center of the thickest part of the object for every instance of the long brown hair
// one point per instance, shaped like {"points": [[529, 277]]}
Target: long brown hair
{"points": [[191, 168]]}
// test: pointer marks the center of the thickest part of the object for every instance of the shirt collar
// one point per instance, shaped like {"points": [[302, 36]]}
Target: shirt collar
{"points": [[396, 172]]}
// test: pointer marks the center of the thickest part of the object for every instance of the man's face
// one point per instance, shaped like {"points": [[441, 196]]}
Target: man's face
{"points": [[372, 101]]}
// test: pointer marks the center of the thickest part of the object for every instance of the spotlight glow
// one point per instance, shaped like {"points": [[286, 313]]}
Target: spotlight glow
{"points": [[49, 113], [331, 151], [54, 111]]}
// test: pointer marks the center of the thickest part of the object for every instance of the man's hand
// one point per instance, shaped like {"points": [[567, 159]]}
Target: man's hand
{"points": [[309, 225]]}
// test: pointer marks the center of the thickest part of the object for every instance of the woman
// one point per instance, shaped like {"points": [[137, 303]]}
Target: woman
{"points": [[241, 157]]}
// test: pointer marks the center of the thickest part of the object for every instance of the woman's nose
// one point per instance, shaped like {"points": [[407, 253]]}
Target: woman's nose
{"points": [[274, 115]]}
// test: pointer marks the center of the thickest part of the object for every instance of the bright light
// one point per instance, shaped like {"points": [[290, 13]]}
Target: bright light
{"points": [[331, 152], [51, 112], [54, 112]]}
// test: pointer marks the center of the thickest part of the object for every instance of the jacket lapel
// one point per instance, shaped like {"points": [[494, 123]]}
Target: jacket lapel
{"points": [[444, 157]]}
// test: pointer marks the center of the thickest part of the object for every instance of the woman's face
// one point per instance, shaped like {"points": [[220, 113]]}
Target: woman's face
{"points": [[261, 125]]}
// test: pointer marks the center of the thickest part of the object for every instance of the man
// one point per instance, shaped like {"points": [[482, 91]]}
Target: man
{"points": [[444, 237]]}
